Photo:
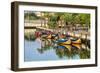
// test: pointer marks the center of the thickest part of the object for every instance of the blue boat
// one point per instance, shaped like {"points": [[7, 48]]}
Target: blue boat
{"points": [[64, 41], [64, 47], [61, 47]]}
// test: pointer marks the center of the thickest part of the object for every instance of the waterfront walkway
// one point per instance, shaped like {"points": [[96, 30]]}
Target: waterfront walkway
{"points": [[82, 35]]}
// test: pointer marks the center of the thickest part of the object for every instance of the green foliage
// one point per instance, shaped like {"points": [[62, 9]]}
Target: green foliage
{"points": [[52, 21], [83, 19], [46, 14], [29, 36], [30, 16], [85, 54], [73, 18], [53, 17]]}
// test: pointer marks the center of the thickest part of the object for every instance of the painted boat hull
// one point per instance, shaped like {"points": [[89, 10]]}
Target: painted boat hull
{"points": [[68, 47], [77, 46], [78, 41], [50, 36], [64, 42]]}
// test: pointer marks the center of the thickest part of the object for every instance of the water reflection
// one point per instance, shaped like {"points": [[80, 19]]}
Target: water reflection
{"points": [[79, 51], [39, 48]]}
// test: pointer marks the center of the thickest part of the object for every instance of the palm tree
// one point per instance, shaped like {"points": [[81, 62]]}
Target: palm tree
{"points": [[41, 18], [46, 16]]}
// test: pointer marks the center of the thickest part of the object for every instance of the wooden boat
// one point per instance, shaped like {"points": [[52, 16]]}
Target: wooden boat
{"points": [[60, 47], [68, 47], [77, 46], [64, 41], [76, 41], [64, 47], [50, 36]]}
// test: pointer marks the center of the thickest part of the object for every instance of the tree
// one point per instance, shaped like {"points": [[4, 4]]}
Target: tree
{"points": [[84, 19], [46, 17], [52, 21], [30, 16]]}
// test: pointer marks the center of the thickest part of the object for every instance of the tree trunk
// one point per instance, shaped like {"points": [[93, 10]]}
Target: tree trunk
{"points": [[41, 19]]}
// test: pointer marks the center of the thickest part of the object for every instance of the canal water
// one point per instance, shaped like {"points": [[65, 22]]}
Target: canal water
{"points": [[46, 50]]}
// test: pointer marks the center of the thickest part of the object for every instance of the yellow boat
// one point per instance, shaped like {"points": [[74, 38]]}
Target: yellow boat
{"points": [[61, 46], [77, 46], [68, 47], [64, 42], [49, 36], [78, 41]]}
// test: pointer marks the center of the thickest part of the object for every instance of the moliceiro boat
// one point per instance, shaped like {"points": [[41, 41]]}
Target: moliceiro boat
{"points": [[76, 41], [65, 47], [50, 36], [78, 46], [69, 41], [64, 42]]}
